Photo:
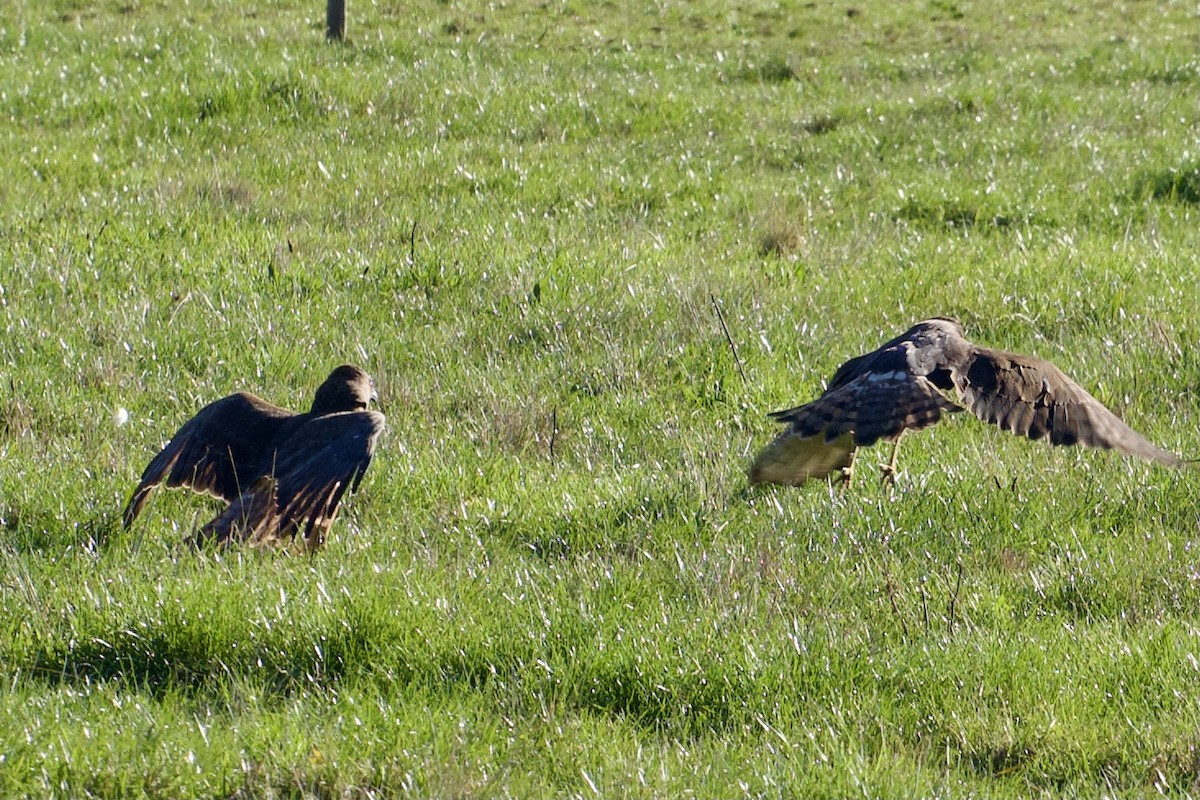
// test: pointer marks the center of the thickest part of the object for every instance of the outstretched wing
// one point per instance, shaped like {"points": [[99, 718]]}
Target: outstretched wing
{"points": [[316, 465], [207, 453], [876, 404], [1033, 398]]}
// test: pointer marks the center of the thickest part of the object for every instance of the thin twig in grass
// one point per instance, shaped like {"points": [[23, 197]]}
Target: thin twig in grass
{"points": [[177, 305], [925, 609], [950, 605], [890, 588], [95, 237], [412, 244], [553, 431], [92, 238], [728, 338]]}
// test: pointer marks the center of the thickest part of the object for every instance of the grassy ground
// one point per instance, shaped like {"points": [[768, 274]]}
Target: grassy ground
{"points": [[554, 582]]}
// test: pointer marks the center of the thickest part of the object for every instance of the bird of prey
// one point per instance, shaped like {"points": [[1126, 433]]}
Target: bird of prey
{"points": [[282, 473], [900, 387]]}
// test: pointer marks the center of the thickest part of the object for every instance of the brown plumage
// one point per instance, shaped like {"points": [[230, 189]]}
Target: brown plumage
{"points": [[282, 473], [900, 387]]}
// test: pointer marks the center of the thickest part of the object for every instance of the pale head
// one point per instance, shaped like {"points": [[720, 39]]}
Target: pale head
{"points": [[934, 331], [943, 324]]}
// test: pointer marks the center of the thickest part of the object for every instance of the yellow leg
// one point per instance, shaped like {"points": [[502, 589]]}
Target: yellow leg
{"points": [[888, 478], [848, 471]]}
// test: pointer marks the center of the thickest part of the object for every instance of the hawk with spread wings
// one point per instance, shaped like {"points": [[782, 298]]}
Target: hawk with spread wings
{"points": [[282, 473], [900, 387]]}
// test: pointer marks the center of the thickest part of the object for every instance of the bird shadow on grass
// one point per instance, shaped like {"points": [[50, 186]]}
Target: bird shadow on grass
{"points": [[199, 654]]}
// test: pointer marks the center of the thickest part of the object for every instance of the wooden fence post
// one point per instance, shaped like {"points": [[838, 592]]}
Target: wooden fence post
{"points": [[335, 20]]}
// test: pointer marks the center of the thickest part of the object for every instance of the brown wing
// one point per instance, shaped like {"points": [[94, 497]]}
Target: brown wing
{"points": [[822, 435], [1033, 398], [316, 465], [216, 452]]}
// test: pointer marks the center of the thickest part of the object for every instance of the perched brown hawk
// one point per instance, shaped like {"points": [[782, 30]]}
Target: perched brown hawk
{"points": [[899, 387], [282, 473]]}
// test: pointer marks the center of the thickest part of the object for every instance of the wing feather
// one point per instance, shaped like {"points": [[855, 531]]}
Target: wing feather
{"points": [[316, 465], [873, 406], [822, 434], [205, 453], [1031, 397]]}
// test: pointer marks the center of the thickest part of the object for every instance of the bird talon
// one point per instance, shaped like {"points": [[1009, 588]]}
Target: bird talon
{"points": [[887, 475], [847, 473]]}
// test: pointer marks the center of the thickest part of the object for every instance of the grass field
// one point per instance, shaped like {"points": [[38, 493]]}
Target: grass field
{"points": [[555, 582]]}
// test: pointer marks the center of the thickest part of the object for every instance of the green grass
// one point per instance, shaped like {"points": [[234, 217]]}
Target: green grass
{"points": [[555, 581]]}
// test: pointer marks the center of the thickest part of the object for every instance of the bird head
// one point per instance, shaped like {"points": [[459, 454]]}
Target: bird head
{"points": [[934, 331], [348, 388], [941, 323]]}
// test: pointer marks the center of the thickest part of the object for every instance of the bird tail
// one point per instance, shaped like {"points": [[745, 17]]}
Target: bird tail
{"points": [[792, 459], [253, 517]]}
